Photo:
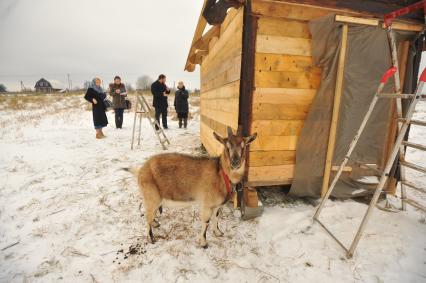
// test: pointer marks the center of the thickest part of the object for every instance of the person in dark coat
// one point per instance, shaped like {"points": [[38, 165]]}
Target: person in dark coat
{"points": [[181, 104], [118, 92], [159, 92], [96, 96]]}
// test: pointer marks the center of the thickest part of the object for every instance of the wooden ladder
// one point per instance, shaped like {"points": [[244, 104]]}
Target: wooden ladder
{"points": [[142, 109]]}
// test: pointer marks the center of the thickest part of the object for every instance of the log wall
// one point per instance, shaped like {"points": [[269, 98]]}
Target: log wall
{"points": [[220, 82]]}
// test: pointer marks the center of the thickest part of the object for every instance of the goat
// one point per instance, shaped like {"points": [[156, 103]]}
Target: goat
{"points": [[172, 178]]}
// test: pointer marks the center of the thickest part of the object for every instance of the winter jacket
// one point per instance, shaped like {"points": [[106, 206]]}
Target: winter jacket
{"points": [[98, 110], [160, 100], [181, 100], [118, 99]]}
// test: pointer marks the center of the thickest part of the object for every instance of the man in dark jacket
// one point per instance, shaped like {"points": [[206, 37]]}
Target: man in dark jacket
{"points": [[160, 91], [118, 92], [181, 104]]}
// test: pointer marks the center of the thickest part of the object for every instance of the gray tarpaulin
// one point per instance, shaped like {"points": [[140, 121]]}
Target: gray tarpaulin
{"points": [[367, 58]]}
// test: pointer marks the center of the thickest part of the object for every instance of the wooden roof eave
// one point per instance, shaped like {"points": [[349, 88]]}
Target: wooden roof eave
{"points": [[201, 25]]}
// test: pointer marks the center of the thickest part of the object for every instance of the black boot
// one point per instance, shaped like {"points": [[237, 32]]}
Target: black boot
{"points": [[180, 123], [185, 122]]}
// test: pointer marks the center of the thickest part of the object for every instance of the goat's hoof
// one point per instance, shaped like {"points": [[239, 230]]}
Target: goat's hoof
{"points": [[155, 224], [151, 240], [205, 246], [218, 233]]}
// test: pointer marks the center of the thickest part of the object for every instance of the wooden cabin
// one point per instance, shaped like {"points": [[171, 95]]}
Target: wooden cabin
{"points": [[257, 73], [43, 85]]}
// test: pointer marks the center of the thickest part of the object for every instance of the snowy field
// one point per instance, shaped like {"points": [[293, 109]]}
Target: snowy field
{"points": [[69, 214]]}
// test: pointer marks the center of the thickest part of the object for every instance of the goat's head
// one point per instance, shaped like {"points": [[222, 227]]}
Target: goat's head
{"points": [[235, 148]]}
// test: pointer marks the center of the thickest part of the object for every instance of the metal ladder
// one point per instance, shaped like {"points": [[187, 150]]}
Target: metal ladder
{"points": [[142, 109], [415, 98]]}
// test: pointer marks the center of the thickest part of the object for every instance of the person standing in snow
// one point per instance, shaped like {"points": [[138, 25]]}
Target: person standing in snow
{"points": [[160, 91], [181, 104], [118, 92], [96, 95]]}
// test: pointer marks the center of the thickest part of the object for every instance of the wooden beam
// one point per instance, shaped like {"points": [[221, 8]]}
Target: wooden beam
{"points": [[201, 25], [336, 108], [356, 20], [203, 42], [376, 22]]}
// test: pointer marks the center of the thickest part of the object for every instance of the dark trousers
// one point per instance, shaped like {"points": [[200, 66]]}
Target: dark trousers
{"points": [[182, 116], [119, 117], [163, 113]]}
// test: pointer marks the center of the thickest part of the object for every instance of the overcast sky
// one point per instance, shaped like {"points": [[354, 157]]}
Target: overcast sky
{"points": [[87, 38]]}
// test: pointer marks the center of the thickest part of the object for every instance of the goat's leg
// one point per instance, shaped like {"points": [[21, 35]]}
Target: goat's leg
{"points": [[205, 215], [152, 202], [215, 222]]}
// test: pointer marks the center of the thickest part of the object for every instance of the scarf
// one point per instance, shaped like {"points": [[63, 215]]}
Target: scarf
{"points": [[93, 85]]}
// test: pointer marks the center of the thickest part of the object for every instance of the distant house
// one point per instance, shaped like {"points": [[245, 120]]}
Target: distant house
{"points": [[44, 85]]}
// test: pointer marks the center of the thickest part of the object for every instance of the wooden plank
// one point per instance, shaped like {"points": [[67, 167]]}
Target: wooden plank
{"points": [[284, 63], [336, 109], [356, 20], [375, 22], [213, 147], [406, 26], [267, 111], [345, 169], [226, 118], [226, 105], [272, 143], [284, 95], [231, 90], [277, 127], [287, 79], [229, 76], [277, 174], [203, 42], [215, 125], [272, 158], [283, 45], [230, 39], [231, 61], [283, 27], [288, 10]]}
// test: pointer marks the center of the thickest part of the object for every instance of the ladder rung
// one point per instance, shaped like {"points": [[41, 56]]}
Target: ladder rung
{"points": [[398, 95], [395, 95], [414, 203], [413, 122], [413, 166], [413, 186], [414, 145], [142, 112]]}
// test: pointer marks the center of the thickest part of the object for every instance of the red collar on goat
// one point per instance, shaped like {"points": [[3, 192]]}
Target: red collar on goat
{"points": [[226, 181]]}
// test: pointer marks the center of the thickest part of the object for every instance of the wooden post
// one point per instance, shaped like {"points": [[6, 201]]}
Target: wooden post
{"points": [[336, 107]]}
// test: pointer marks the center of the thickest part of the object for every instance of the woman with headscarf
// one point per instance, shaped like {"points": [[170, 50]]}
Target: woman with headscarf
{"points": [[181, 104], [96, 95]]}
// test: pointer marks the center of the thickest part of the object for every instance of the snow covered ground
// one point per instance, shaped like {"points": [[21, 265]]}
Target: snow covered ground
{"points": [[69, 214]]}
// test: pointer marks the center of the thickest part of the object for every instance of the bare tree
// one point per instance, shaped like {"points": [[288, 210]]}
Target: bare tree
{"points": [[129, 87], [144, 82]]}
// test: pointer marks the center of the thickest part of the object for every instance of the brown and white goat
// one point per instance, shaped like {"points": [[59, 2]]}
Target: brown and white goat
{"points": [[172, 177]]}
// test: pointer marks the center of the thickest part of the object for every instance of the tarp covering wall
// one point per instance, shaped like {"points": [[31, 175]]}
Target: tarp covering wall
{"points": [[367, 58]]}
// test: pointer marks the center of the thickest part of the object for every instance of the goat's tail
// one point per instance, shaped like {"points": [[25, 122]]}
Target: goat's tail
{"points": [[134, 170]]}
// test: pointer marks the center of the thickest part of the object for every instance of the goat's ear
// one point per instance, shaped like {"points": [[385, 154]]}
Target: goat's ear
{"points": [[250, 139], [218, 138]]}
